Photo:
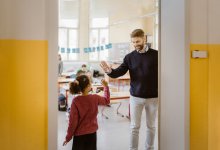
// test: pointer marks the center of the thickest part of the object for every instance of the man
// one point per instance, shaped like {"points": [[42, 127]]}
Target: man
{"points": [[142, 64]]}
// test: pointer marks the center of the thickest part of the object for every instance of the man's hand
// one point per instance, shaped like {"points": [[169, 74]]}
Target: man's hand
{"points": [[105, 67]]}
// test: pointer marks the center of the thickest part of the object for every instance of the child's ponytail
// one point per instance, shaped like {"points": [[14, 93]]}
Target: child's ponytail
{"points": [[74, 87], [79, 84]]}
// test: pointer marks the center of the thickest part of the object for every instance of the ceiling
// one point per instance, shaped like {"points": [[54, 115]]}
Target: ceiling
{"points": [[113, 7], [109, 8]]}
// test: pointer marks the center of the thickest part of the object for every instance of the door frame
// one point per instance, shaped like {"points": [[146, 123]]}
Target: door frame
{"points": [[173, 74]]}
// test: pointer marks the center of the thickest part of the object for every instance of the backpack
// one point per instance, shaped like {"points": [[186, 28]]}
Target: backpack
{"points": [[62, 103]]}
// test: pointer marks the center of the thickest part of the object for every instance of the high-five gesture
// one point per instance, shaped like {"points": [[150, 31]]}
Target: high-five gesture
{"points": [[104, 82], [105, 67]]}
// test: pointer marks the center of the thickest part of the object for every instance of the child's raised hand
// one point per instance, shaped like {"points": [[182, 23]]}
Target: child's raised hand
{"points": [[64, 143], [104, 82]]}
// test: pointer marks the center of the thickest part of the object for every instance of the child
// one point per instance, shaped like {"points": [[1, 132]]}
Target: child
{"points": [[84, 109]]}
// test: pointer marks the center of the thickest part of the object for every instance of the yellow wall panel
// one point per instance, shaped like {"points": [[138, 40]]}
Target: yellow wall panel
{"points": [[198, 101], [5, 115], [214, 98], [26, 95], [204, 99]]}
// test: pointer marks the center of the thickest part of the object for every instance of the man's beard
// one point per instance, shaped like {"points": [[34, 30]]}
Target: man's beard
{"points": [[139, 47]]}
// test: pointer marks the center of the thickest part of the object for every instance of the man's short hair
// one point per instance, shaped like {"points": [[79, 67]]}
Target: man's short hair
{"points": [[83, 65], [137, 33]]}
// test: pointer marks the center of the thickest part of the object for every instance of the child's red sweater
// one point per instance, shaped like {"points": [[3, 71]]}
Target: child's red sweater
{"points": [[83, 114]]}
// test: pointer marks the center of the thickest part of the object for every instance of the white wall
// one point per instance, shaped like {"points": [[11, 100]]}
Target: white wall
{"points": [[52, 36], [124, 31], [204, 22], [214, 21], [17, 22], [174, 78], [28, 25], [5, 19], [198, 19]]}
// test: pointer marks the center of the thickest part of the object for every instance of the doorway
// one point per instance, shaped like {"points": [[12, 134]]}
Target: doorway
{"points": [[104, 28]]}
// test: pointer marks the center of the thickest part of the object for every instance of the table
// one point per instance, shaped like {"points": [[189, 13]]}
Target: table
{"points": [[117, 96], [69, 74], [65, 80], [122, 79], [119, 80]]}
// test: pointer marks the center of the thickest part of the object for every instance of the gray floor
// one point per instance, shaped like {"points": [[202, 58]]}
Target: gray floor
{"points": [[113, 133]]}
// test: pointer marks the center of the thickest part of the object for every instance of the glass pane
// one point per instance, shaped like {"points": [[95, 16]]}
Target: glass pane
{"points": [[73, 56], [93, 56], [99, 22], [104, 40], [104, 36], [63, 37], [68, 13], [71, 23], [94, 38], [93, 42], [63, 43], [73, 44], [73, 38]]}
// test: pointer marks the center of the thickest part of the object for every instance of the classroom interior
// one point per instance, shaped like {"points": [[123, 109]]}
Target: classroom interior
{"points": [[96, 31]]}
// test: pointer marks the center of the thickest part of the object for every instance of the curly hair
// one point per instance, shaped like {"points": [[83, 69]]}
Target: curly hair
{"points": [[79, 84]]}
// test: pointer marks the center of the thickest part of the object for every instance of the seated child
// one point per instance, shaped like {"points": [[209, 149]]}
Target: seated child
{"points": [[84, 71], [83, 114]]}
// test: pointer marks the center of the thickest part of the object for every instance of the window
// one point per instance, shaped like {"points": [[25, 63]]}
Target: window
{"points": [[73, 43], [104, 34], [63, 42], [68, 29], [99, 37], [68, 40]]}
